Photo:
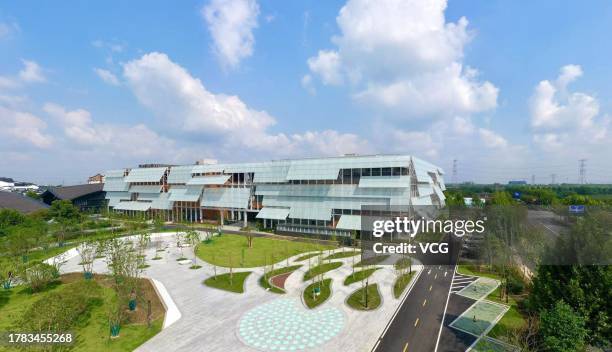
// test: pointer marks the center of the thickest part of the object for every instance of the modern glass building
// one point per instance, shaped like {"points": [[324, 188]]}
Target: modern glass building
{"points": [[302, 196]]}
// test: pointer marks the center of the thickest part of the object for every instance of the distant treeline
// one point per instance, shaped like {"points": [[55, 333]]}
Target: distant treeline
{"points": [[538, 194]]}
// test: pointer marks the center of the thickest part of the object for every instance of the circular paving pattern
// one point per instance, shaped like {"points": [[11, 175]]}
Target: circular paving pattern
{"points": [[285, 325]]}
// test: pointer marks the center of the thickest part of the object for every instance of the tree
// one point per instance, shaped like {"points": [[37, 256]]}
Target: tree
{"points": [[32, 195], [87, 252], [9, 218], [501, 198], [66, 215], [144, 239], [179, 243], [249, 236], [123, 265], [193, 237], [561, 329]]}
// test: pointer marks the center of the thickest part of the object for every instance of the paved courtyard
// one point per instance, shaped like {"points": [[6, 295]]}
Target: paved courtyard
{"points": [[258, 320]]}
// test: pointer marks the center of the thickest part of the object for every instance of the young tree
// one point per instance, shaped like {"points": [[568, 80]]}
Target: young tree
{"points": [[87, 252], [249, 236], [65, 215], [144, 239], [193, 237], [123, 265]]}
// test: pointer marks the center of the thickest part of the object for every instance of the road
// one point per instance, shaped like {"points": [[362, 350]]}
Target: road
{"points": [[417, 323]]}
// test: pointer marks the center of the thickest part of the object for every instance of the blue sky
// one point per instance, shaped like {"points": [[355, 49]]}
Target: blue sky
{"points": [[509, 89]]}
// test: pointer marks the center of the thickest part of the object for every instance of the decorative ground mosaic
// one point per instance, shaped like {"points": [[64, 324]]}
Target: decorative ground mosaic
{"points": [[285, 325], [479, 288], [479, 317]]}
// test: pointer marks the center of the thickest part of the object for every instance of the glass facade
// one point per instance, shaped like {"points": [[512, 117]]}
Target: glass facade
{"points": [[322, 196]]}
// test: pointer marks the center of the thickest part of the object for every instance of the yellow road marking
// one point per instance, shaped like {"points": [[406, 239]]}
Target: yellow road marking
{"points": [[416, 322], [424, 302], [430, 286], [405, 347]]}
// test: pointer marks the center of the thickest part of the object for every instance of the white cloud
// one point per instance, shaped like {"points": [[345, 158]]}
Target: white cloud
{"points": [[24, 126], [107, 76], [327, 66], [552, 107], [179, 99], [8, 29], [307, 84], [404, 56], [568, 124], [32, 72], [492, 139], [112, 46], [181, 102], [231, 24], [112, 140]]}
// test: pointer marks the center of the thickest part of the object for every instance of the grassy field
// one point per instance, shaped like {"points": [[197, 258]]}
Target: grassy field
{"points": [[221, 250], [306, 256], [357, 299], [511, 321], [320, 269], [359, 275], [400, 284], [312, 300], [222, 282], [340, 255], [264, 280], [92, 328], [372, 260]]}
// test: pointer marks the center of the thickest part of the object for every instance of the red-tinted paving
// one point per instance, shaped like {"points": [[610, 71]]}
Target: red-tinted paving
{"points": [[279, 280]]}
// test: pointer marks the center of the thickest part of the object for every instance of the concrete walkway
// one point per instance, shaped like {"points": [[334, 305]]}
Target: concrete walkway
{"points": [[209, 318]]}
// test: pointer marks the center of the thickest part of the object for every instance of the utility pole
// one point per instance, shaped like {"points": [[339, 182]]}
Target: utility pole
{"points": [[582, 171], [454, 178]]}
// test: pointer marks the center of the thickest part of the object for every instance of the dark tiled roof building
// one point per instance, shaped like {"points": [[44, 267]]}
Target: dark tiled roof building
{"points": [[19, 202], [88, 197]]}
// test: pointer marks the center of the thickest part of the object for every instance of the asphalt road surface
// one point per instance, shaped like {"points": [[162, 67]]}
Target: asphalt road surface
{"points": [[417, 323]]}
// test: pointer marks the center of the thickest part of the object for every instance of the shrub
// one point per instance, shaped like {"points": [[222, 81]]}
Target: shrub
{"points": [[61, 310], [39, 275]]}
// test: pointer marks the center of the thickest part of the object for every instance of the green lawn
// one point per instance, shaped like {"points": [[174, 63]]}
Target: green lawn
{"points": [[306, 256], [223, 249], [222, 282], [372, 260], [357, 299], [340, 255], [359, 275], [320, 269], [264, 280], [312, 300], [403, 263], [473, 271], [401, 283], [511, 321], [91, 329]]}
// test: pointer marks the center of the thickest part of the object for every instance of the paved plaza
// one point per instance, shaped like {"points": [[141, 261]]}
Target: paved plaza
{"points": [[258, 320]]}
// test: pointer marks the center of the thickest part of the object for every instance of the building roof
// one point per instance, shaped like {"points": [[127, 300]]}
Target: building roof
{"points": [[19, 202], [73, 192]]}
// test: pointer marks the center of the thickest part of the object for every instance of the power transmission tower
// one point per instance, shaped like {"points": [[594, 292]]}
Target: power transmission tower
{"points": [[533, 179], [552, 179], [454, 171], [582, 171]]}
